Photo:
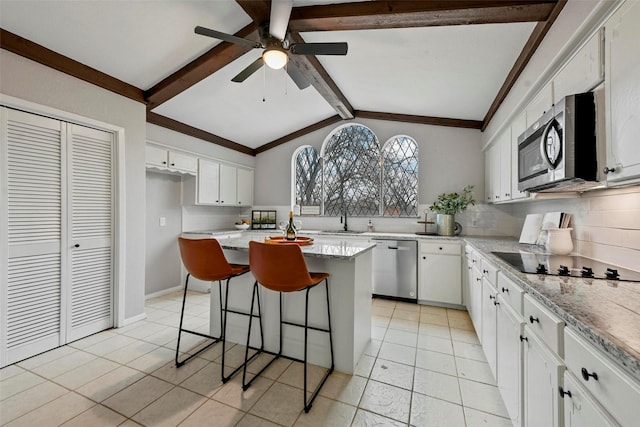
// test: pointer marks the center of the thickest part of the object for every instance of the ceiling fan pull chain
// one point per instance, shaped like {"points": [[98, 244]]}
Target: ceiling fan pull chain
{"points": [[264, 84]]}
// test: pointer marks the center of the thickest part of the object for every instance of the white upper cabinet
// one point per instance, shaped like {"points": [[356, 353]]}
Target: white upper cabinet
{"points": [[583, 72], [170, 161], [208, 187], [245, 187], [228, 185], [622, 35], [541, 103], [498, 164]]}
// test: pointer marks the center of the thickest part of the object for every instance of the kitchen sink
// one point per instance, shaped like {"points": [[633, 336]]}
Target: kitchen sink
{"points": [[341, 232]]}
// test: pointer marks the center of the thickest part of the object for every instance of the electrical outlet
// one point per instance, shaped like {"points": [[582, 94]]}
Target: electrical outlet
{"points": [[163, 221]]}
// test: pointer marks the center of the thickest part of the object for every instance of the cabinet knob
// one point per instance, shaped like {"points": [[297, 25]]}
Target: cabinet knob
{"points": [[533, 320], [505, 290], [507, 194], [496, 303], [424, 257], [485, 271], [164, 163], [523, 338], [76, 245], [564, 393], [440, 248], [478, 279], [586, 375], [173, 164], [492, 297], [606, 170]]}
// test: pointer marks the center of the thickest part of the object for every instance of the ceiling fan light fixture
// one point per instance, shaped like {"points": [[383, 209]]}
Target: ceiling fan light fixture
{"points": [[275, 57]]}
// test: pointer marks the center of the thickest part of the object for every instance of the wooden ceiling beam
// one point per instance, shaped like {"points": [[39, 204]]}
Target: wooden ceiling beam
{"points": [[186, 129], [38, 53], [538, 34], [316, 74], [423, 120], [297, 134], [213, 60], [368, 15], [258, 10]]}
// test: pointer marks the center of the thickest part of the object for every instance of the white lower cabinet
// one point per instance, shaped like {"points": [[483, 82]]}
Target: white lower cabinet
{"points": [[489, 308], [440, 273], [580, 409], [475, 300], [543, 372]]}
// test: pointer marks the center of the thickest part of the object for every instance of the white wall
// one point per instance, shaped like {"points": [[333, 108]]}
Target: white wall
{"points": [[450, 158], [162, 257], [28, 80]]}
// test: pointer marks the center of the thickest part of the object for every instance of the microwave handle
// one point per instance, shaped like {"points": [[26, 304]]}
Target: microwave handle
{"points": [[543, 141]]}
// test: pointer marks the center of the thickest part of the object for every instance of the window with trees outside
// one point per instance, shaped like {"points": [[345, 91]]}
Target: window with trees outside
{"points": [[354, 174]]}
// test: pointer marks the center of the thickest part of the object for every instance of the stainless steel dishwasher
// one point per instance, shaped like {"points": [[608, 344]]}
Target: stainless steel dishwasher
{"points": [[395, 269]]}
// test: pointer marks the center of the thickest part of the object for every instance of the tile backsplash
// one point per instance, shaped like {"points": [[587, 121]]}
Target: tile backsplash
{"points": [[606, 223]]}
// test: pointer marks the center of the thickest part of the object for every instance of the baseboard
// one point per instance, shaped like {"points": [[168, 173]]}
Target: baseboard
{"points": [[163, 292], [133, 319]]}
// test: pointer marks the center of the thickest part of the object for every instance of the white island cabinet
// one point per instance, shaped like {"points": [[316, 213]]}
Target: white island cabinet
{"points": [[349, 262]]}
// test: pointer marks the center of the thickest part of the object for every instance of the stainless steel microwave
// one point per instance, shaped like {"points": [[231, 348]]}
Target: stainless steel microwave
{"points": [[559, 151]]}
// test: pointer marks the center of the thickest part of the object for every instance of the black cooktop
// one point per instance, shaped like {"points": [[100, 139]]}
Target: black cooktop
{"points": [[566, 265]]}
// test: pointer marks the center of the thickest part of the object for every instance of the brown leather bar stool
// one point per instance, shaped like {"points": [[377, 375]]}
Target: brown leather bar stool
{"points": [[204, 260], [282, 268]]}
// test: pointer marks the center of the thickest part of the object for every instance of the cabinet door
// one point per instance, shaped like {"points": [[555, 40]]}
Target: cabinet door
{"points": [[509, 328], [155, 156], [475, 295], [183, 162], [505, 166], [580, 409], [208, 190], [245, 187], [623, 89], [228, 184], [440, 278], [518, 126], [538, 105], [542, 377], [488, 184], [583, 72], [496, 164], [489, 295]]}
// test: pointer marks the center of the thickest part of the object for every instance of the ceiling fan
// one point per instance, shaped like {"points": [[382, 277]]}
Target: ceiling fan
{"points": [[276, 46]]}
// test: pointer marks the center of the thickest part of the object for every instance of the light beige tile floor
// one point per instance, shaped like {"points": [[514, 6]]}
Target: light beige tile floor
{"points": [[424, 367]]}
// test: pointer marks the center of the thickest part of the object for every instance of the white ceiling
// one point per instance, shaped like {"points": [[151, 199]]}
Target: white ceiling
{"points": [[450, 72]]}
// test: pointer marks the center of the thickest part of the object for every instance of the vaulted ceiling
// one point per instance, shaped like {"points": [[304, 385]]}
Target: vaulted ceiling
{"points": [[445, 62]]}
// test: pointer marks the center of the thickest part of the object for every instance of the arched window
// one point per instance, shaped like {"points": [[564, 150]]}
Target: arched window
{"points": [[353, 174], [308, 173], [400, 177], [351, 171]]}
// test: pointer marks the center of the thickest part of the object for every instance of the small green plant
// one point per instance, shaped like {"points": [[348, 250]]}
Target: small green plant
{"points": [[452, 203]]}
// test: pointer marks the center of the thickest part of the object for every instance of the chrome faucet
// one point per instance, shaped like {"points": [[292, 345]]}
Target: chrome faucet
{"points": [[344, 215]]}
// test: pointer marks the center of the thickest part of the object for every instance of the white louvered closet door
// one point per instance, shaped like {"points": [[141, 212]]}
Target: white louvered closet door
{"points": [[32, 208], [56, 233], [90, 294]]}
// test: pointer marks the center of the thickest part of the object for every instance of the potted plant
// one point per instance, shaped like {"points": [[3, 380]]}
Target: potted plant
{"points": [[447, 205]]}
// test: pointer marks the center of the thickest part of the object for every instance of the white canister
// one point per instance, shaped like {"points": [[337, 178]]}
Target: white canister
{"points": [[559, 241]]}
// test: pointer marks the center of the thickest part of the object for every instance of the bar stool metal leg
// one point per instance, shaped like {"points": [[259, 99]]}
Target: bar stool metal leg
{"points": [[181, 330]]}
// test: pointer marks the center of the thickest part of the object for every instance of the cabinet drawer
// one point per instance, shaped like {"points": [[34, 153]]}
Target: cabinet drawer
{"points": [[511, 293], [441, 248], [613, 389], [490, 271], [544, 324]]}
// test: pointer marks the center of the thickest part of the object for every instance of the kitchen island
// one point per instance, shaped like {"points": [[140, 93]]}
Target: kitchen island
{"points": [[350, 264]]}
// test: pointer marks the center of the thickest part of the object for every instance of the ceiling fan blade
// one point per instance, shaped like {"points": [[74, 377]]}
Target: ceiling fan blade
{"points": [[226, 37], [250, 69], [279, 21], [338, 48], [298, 78]]}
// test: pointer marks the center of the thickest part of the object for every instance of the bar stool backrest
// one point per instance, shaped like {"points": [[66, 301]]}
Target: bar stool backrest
{"points": [[204, 259], [280, 268]]}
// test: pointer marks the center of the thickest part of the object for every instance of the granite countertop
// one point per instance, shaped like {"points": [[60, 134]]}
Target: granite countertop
{"points": [[321, 248], [605, 313]]}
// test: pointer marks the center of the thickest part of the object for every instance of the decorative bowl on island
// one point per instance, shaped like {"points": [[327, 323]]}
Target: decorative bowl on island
{"points": [[242, 226]]}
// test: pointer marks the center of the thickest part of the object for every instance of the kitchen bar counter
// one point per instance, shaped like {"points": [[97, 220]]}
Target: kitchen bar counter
{"points": [[348, 261], [605, 313]]}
